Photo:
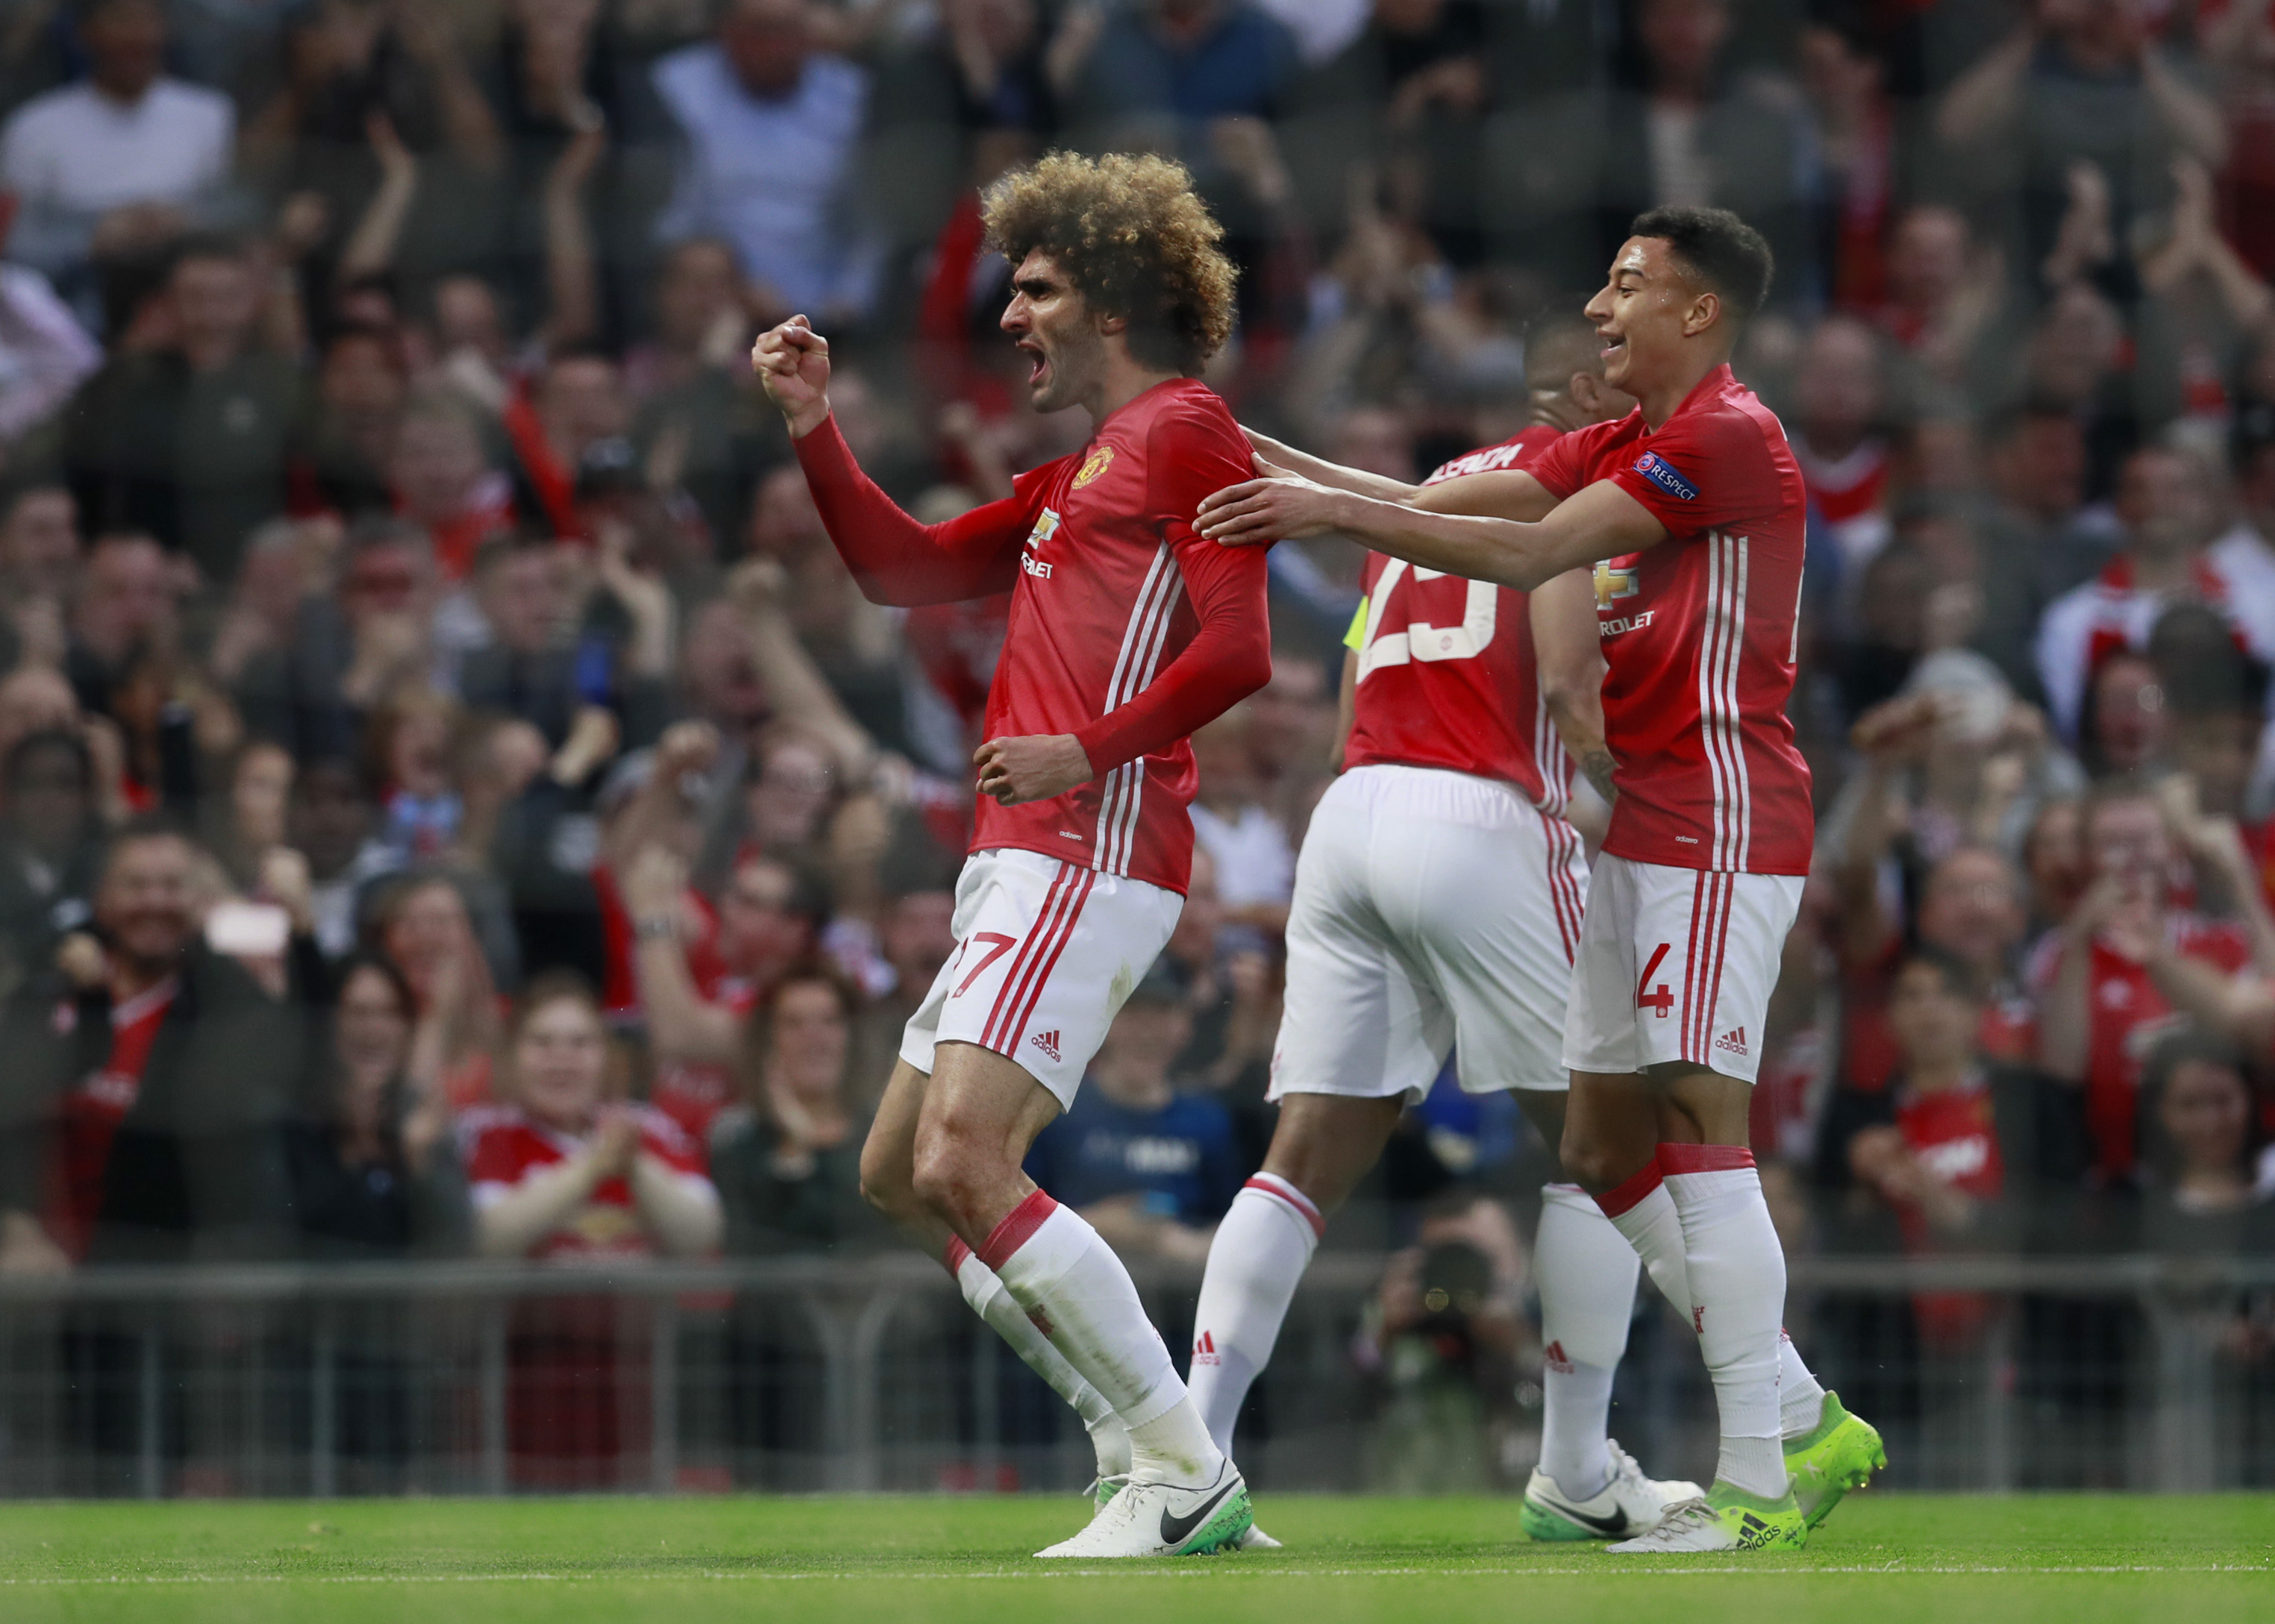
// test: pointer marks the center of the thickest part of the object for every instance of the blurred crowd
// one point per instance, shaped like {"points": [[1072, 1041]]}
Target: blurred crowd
{"points": [[453, 800]]}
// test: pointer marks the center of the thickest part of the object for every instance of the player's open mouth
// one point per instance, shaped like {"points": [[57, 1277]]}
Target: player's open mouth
{"points": [[1038, 364], [1613, 342]]}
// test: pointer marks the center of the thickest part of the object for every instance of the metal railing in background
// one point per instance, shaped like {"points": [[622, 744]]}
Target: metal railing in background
{"points": [[864, 1374]]}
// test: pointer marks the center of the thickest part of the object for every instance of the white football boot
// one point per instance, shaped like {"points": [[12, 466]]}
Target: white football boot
{"points": [[1146, 1518], [1628, 1505], [1105, 1489]]}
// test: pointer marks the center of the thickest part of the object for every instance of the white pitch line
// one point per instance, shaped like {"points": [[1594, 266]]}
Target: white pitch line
{"points": [[1594, 1570]]}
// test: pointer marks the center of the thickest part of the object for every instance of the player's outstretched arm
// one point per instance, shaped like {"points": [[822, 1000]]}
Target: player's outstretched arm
{"points": [[1320, 470], [895, 559], [1597, 522]]}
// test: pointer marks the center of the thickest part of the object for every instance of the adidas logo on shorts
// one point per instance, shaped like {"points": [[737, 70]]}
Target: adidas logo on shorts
{"points": [[1733, 1040], [1048, 1042], [1205, 1349]]}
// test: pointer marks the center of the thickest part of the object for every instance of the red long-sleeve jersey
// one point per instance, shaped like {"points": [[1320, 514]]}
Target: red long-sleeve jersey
{"points": [[1127, 629]]}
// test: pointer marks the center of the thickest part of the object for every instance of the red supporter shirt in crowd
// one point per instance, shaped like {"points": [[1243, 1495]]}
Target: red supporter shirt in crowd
{"points": [[94, 1109], [2008, 1030], [690, 1094], [1701, 632], [619, 978], [1953, 1134], [2126, 1015], [1127, 629], [503, 1146]]}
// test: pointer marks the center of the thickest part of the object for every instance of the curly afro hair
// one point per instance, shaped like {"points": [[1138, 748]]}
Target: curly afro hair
{"points": [[1129, 232]]}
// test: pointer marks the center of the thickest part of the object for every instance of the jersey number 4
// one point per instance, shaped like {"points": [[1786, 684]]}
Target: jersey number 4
{"points": [[1658, 998], [1420, 641]]}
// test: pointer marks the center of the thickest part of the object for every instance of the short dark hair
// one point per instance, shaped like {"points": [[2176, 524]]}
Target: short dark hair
{"points": [[1717, 248], [1949, 968]]}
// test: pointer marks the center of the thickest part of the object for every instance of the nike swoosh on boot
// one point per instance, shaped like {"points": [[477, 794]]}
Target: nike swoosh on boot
{"points": [[1176, 1531]]}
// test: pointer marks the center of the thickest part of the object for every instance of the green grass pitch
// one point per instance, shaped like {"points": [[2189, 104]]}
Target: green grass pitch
{"points": [[2063, 1559]]}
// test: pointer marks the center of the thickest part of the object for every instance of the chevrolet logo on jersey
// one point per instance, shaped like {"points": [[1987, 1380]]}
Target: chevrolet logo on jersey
{"points": [[1047, 526], [1612, 582], [1661, 472]]}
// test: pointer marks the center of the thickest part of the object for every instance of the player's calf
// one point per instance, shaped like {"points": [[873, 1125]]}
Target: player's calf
{"points": [[888, 1158]]}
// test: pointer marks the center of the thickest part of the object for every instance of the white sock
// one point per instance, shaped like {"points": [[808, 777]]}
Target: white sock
{"points": [[1641, 1210], [1080, 1296], [1586, 1271], [1261, 1249], [988, 1300], [1801, 1396], [1736, 1268]]}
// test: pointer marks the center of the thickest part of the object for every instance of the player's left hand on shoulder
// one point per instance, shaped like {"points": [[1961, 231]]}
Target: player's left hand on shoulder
{"points": [[1276, 507], [1036, 768]]}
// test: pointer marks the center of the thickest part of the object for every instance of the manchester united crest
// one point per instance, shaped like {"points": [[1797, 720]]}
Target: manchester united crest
{"points": [[1093, 466]]}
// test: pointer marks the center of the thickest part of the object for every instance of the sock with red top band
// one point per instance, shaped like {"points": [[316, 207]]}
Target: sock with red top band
{"points": [[1736, 1271], [1261, 1251], [1080, 1297], [1586, 1273], [1641, 1210], [988, 1300]]}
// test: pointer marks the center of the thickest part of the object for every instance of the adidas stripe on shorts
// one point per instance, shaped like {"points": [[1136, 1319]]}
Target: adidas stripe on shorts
{"points": [[1676, 964], [1046, 953]]}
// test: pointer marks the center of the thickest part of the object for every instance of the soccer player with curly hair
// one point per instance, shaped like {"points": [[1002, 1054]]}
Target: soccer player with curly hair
{"points": [[1127, 633]]}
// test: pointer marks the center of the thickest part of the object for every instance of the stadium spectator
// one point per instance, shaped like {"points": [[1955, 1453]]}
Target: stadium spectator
{"points": [[770, 125], [1254, 859], [374, 1173], [1841, 391], [1964, 1149], [188, 435], [2201, 1149], [563, 1172], [2076, 87], [2103, 977], [700, 972], [50, 845], [788, 1162], [422, 921], [125, 158], [566, 1175], [2167, 518], [1170, 67], [1441, 1340], [149, 1083], [441, 478], [1152, 1168]]}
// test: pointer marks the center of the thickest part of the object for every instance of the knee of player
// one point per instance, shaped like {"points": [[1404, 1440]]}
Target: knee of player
{"points": [[887, 1183], [946, 1175], [1589, 1160]]}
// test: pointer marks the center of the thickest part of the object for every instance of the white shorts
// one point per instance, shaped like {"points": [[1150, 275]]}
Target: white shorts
{"points": [[1046, 954], [1433, 911], [1677, 964]]}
